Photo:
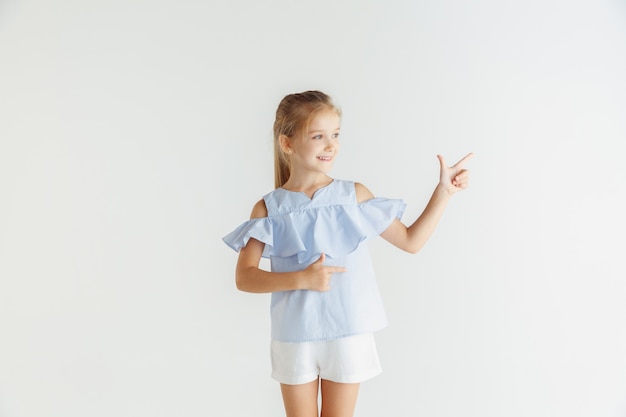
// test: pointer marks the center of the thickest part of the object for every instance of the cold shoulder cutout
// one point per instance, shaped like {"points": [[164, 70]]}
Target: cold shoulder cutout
{"points": [[259, 210], [362, 192]]}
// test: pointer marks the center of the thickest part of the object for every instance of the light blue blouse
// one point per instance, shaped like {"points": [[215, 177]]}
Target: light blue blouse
{"points": [[297, 230]]}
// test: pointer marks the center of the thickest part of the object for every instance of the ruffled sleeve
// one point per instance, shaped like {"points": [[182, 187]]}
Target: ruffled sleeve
{"points": [[260, 229], [334, 230], [377, 214]]}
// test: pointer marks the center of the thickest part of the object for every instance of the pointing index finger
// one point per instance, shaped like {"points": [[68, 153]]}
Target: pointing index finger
{"points": [[463, 160]]}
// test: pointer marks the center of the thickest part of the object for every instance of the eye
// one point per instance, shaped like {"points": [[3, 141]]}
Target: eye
{"points": [[335, 135], [317, 137]]}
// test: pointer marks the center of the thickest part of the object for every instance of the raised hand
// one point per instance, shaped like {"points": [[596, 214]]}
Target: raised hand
{"points": [[317, 276], [454, 178]]}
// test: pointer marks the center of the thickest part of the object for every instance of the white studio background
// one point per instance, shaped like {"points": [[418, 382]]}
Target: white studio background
{"points": [[135, 134]]}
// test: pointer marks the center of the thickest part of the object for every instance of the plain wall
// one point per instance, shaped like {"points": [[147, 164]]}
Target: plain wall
{"points": [[135, 134]]}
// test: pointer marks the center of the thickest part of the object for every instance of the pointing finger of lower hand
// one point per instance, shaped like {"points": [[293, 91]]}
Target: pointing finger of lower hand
{"points": [[464, 160]]}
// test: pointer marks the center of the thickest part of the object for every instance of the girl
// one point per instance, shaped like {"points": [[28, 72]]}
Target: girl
{"points": [[325, 303]]}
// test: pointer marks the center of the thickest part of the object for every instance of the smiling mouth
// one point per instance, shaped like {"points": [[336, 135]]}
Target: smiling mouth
{"points": [[325, 158]]}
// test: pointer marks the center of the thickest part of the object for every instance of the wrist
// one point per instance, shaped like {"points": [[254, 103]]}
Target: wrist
{"points": [[299, 281], [442, 191]]}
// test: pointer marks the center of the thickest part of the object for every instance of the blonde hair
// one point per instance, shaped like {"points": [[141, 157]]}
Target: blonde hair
{"points": [[293, 116]]}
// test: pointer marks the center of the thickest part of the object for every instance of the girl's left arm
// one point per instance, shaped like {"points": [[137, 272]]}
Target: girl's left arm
{"points": [[412, 238]]}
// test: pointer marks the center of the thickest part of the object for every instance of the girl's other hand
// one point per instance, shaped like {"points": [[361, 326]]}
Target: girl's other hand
{"points": [[454, 178], [317, 276]]}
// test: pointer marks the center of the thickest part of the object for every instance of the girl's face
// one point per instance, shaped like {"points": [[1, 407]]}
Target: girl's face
{"points": [[317, 148]]}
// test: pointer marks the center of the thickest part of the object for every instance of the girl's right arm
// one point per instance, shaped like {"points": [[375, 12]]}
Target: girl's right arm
{"points": [[250, 278]]}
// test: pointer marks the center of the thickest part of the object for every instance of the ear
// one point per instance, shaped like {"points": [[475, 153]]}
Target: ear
{"points": [[285, 144]]}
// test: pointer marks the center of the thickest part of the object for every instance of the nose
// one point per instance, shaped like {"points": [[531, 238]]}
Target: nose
{"points": [[330, 145]]}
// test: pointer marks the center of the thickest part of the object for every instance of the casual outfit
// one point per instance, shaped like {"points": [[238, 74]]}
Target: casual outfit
{"points": [[296, 231]]}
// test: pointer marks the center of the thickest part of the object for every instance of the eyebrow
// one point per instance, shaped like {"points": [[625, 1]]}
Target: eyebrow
{"points": [[322, 130]]}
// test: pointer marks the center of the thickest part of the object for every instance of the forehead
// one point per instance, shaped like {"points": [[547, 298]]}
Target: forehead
{"points": [[326, 119]]}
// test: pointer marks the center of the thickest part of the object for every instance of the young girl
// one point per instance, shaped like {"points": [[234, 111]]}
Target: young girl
{"points": [[325, 303]]}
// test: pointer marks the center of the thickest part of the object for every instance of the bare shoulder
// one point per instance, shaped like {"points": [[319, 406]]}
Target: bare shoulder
{"points": [[259, 210], [362, 192]]}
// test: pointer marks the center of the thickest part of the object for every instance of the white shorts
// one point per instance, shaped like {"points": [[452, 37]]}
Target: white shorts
{"points": [[349, 359]]}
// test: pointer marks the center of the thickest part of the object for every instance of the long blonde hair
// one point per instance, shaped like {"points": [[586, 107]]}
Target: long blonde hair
{"points": [[293, 116]]}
